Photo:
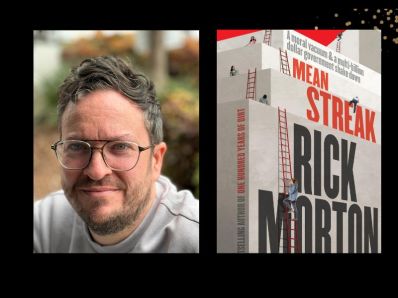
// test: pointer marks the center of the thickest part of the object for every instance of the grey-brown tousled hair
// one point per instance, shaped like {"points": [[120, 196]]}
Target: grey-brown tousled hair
{"points": [[108, 72]]}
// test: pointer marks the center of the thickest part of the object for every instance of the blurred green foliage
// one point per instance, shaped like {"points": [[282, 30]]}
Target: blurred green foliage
{"points": [[180, 109], [121, 45], [184, 61], [47, 97]]}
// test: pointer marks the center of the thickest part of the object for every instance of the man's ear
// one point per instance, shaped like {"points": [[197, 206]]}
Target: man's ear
{"points": [[157, 159]]}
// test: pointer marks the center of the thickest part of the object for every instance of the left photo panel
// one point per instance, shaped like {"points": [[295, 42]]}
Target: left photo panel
{"points": [[116, 141]]}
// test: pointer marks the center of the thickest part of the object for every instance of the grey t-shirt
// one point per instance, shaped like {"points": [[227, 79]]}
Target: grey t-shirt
{"points": [[171, 226]]}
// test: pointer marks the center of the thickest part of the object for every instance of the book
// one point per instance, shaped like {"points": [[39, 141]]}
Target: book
{"points": [[302, 104]]}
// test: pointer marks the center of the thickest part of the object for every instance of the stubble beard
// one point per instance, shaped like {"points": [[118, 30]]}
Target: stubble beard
{"points": [[134, 202]]}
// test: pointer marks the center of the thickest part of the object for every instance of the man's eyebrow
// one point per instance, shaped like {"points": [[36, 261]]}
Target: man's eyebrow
{"points": [[115, 138], [122, 136]]}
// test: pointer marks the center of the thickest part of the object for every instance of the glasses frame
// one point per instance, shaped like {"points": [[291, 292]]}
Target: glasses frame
{"points": [[140, 149]]}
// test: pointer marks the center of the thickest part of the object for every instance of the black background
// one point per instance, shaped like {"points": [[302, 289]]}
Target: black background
{"points": [[207, 20]]}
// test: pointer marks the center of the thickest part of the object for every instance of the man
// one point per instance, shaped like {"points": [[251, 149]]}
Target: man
{"points": [[354, 102], [233, 71], [291, 200], [252, 40], [264, 99], [111, 153]]}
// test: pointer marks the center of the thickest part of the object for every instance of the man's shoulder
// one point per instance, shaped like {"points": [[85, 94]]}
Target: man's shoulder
{"points": [[54, 207], [179, 203], [52, 201], [176, 219], [53, 222]]}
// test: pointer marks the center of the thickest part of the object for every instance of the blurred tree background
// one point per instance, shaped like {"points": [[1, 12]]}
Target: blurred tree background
{"points": [[174, 70]]}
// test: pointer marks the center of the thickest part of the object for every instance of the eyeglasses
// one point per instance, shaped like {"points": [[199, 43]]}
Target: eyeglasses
{"points": [[117, 155]]}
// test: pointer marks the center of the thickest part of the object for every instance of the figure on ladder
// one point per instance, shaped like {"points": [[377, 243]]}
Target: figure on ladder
{"points": [[291, 200]]}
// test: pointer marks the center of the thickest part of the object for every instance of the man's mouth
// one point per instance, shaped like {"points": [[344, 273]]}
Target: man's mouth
{"points": [[98, 191]]}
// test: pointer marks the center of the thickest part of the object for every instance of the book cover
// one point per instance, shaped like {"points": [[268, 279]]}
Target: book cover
{"points": [[303, 104]]}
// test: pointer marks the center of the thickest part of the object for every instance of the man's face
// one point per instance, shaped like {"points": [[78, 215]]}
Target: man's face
{"points": [[109, 201]]}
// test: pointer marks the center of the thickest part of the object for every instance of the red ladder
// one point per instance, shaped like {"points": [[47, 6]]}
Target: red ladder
{"points": [[284, 62], [267, 37], [338, 46], [284, 150], [251, 84], [291, 233], [291, 241]]}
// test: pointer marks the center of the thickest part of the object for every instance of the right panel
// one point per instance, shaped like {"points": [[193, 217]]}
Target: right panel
{"points": [[304, 106]]}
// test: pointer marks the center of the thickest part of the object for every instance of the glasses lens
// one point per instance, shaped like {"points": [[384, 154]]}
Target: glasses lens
{"points": [[121, 155], [73, 154]]}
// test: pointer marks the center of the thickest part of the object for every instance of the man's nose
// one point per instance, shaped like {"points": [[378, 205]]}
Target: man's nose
{"points": [[97, 168]]}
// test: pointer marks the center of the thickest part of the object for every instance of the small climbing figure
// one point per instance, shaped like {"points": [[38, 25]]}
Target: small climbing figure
{"points": [[233, 71], [264, 99], [291, 201], [354, 102], [252, 40]]}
